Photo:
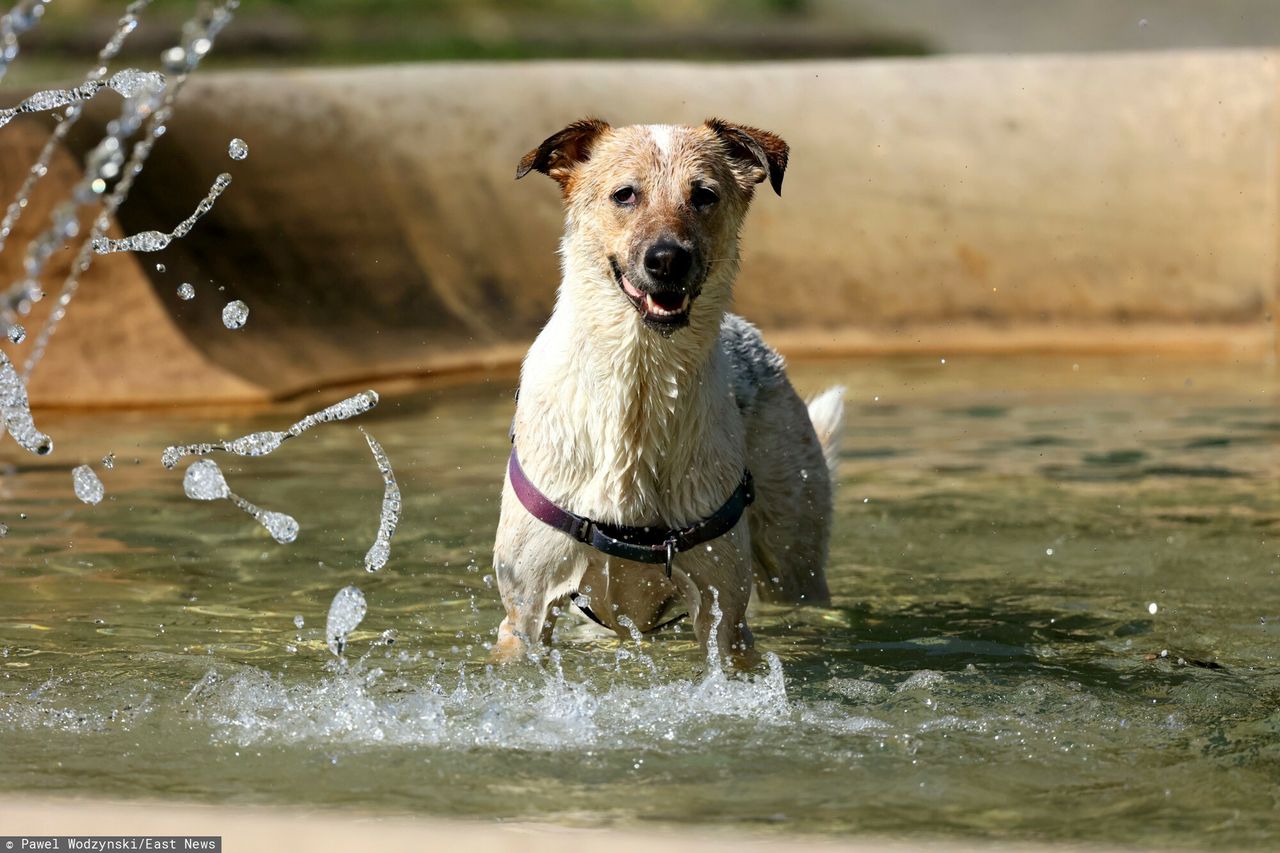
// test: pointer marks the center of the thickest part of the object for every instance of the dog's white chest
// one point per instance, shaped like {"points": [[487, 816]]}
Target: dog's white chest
{"points": [[628, 444]]}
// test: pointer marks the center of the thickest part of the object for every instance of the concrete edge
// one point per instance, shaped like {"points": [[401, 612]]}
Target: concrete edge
{"points": [[252, 828]]}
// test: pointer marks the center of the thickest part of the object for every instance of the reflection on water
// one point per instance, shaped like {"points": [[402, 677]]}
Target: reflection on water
{"points": [[990, 666]]}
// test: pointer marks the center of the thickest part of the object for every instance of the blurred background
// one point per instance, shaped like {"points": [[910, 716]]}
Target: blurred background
{"points": [[319, 32]]}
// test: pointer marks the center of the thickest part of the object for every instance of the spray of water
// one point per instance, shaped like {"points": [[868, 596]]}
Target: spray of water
{"points": [[16, 411], [128, 83], [204, 482], [390, 515], [149, 110], [124, 27], [262, 443], [21, 18], [154, 241]]}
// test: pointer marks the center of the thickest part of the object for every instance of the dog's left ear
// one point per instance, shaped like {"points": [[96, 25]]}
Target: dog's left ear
{"points": [[560, 152], [755, 153]]}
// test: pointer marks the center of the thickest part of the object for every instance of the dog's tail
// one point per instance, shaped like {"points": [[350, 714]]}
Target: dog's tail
{"points": [[826, 412]]}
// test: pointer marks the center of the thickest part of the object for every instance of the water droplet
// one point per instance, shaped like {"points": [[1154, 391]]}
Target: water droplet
{"points": [[17, 333], [298, 621], [186, 292], [238, 149], [1153, 608], [160, 268], [204, 481], [235, 314], [87, 485], [345, 613], [109, 461], [283, 528]]}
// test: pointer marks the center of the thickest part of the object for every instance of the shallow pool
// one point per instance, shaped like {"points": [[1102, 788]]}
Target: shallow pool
{"points": [[1056, 616]]}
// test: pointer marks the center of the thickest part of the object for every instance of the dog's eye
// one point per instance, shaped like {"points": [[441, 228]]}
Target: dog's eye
{"points": [[702, 198], [626, 195]]}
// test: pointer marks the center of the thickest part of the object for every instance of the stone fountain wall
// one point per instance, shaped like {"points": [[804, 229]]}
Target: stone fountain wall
{"points": [[1119, 203]]}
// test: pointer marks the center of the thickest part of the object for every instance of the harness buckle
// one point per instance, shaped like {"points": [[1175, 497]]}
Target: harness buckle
{"points": [[671, 554]]}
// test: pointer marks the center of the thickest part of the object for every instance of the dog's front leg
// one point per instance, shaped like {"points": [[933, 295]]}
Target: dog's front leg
{"points": [[536, 568], [532, 599], [716, 584]]}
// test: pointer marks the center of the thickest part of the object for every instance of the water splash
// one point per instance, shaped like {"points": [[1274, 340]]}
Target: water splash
{"points": [[87, 485], [262, 443], [151, 110], [21, 18], [154, 241], [186, 292], [17, 410], [378, 555], [124, 27], [102, 164], [356, 404], [235, 314], [543, 711], [238, 149], [129, 83], [345, 613], [204, 482]]}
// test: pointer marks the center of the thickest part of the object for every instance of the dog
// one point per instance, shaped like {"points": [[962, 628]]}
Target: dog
{"points": [[660, 454]]}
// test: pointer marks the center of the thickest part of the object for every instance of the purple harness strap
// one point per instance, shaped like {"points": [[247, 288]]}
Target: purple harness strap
{"points": [[641, 544]]}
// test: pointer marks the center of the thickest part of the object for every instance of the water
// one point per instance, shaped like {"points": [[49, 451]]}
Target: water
{"points": [[203, 481], [389, 516], [989, 668], [155, 241], [235, 314], [87, 486]]}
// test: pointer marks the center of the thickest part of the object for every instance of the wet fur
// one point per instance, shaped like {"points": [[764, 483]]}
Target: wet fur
{"points": [[625, 423]]}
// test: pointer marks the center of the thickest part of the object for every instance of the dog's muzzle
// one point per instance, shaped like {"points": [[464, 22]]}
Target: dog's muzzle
{"points": [[663, 309]]}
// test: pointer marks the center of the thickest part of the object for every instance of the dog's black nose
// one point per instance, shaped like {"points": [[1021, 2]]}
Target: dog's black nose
{"points": [[668, 262]]}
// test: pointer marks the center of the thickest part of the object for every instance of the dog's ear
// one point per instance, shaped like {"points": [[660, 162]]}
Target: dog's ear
{"points": [[754, 153], [560, 153]]}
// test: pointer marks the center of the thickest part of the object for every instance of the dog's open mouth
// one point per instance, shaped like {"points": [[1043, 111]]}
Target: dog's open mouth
{"points": [[664, 309]]}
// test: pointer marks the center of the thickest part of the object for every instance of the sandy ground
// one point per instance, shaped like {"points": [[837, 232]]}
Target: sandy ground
{"points": [[252, 829]]}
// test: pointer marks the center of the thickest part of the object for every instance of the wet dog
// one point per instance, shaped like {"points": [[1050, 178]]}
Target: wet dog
{"points": [[661, 456]]}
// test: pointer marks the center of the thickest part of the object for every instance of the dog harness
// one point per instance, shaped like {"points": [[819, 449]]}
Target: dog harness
{"points": [[641, 544]]}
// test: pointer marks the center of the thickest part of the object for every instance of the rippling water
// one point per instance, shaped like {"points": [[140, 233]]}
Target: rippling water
{"points": [[991, 666]]}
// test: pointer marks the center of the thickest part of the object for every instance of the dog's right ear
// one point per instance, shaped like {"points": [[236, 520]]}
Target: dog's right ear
{"points": [[560, 153]]}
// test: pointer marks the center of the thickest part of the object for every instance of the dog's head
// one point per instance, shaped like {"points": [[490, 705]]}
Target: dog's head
{"points": [[654, 210]]}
